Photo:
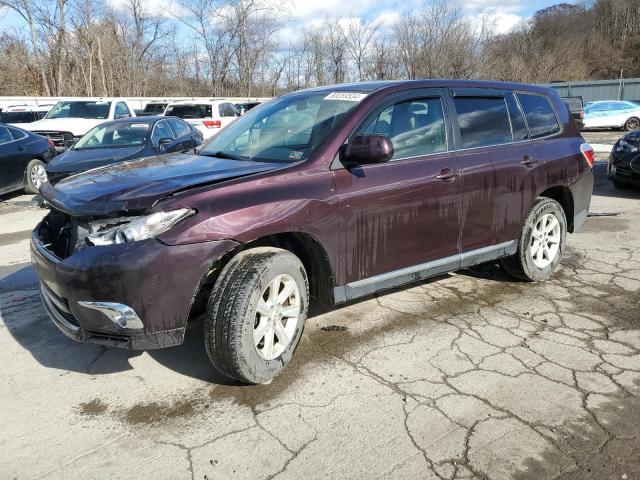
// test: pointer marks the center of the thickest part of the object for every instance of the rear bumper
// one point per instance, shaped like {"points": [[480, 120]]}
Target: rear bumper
{"points": [[157, 281]]}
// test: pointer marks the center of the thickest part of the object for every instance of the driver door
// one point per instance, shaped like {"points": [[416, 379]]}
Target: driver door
{"points": [[401, 217]]}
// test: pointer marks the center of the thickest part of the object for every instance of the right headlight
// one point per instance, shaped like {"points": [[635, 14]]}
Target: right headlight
{"points": [[624, 146], [133, 229]]}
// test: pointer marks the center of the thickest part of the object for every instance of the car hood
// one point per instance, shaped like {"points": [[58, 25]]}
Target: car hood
{"points": [[77, 126], [81, 160], [139, 184]]}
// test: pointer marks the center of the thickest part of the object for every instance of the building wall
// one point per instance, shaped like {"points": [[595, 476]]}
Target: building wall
{"points": [[593, 91]]}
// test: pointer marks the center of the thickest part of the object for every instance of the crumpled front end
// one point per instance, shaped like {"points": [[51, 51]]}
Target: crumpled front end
{"points": [[134, 295]]}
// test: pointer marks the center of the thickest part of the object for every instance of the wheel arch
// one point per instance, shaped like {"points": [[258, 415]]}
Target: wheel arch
{"points": [[562, 194], [309, 250]]}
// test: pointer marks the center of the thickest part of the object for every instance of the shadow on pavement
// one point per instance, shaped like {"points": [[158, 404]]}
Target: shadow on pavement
{"points": [[605, 187]]}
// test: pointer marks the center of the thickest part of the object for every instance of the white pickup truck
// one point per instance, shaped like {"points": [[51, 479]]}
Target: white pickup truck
{"points": [[69, 120]]}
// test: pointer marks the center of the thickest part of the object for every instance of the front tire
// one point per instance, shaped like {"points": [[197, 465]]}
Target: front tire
{"points": [[36, 175], [256, 314], [541, 242]]}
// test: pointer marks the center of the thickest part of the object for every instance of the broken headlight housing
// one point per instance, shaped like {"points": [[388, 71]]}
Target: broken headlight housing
{"points": [[624, 146], [132, 229]]}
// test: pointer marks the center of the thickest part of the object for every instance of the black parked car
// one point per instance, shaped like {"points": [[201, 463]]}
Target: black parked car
{"points": [[124, 139], [23, 156], [624, 162]]}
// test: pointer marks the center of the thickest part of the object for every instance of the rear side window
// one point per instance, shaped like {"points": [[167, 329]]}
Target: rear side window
{"points": [[189, 111], [415, 127], [226, 110], [483, 121], [517, 120], [17, 134], [5, 135], [540, 116]]}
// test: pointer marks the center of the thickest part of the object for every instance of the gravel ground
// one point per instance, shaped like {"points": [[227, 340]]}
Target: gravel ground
{"points": [[467, 376]]}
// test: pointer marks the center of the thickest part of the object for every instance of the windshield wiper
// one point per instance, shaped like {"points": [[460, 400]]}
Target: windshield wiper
{"points": [[221, 154]]}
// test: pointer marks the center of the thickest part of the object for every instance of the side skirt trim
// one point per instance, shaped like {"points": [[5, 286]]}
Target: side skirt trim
{"points": [[415, 273]]}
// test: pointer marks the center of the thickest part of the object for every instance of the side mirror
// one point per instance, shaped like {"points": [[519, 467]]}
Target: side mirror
{"points": [[121, 115], [366, 149], [164, 142]]}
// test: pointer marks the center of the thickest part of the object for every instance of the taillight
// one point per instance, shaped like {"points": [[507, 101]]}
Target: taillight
{"points": [[212, 123], [588, 153], [581, 114], [50, 142]]}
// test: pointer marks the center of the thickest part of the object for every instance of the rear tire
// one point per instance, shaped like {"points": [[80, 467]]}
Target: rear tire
{"points": [[36, 175], [256, 314], [541, 242], [631, 124]]}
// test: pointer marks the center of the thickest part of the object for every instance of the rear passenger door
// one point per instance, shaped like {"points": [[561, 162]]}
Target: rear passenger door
{"points": [[405, 212], [499, 164]]}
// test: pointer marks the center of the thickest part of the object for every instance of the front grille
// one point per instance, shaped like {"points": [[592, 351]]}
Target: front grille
{"points": [[108, 337], [59, 307], [59, 139]]}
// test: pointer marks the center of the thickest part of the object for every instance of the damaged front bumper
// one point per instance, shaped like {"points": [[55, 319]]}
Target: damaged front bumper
{"points": [[152, 284]]}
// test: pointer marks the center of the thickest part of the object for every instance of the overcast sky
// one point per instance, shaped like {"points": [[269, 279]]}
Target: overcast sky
{"points": [[506, 13]]}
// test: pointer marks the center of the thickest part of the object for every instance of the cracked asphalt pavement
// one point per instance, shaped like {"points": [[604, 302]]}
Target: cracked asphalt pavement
{"points": [[466, 376]]}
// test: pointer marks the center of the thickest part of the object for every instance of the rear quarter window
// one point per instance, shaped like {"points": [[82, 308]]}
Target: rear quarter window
{"points": [[540, 116], [483, 121]]}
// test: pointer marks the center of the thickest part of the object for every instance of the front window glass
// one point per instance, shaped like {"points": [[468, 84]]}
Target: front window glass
{"points": [[114, 135], [287, 129], [80, 109], [161, 131], [415, 127], [189, 111], [483, 121]]}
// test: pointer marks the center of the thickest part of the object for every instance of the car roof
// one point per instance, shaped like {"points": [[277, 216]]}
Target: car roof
{"points": [[373, 86], [212, 101], [144, 119]]}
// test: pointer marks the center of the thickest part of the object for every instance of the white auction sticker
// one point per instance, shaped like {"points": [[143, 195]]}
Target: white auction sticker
{"points": [[348, 96]]}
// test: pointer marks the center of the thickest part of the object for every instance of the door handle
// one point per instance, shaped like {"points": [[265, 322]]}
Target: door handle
{"points": [[447, 174], [20, 148], [529, 161]]}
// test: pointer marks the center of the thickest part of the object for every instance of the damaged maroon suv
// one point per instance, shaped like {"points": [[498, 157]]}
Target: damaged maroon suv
{"points": [[331, 193]]}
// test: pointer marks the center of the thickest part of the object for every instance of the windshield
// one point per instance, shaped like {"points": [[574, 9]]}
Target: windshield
{"points": [[113, 136], [189, 111], [80, 109], [287, 129]]}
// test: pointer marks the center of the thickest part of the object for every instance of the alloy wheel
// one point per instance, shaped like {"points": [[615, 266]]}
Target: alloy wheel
{"points": [[545, 240], [277, 316], [38, 175]]}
